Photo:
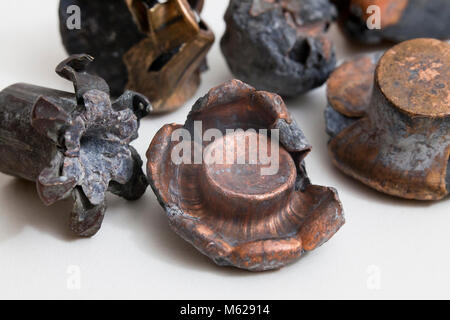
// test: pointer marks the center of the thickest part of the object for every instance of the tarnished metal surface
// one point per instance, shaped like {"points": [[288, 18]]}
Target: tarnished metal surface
{"points": [[349, 90], [166, 65], [157, 49], [398, 142], [279, 45], [73, 144], [400, 20], [231, 212], [421, 67]]}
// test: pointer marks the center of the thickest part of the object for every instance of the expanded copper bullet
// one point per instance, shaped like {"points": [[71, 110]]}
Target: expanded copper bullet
{"points": [[155, 48], [373, 21], [390, 119], [279, 45], [73, 144], [234, 212]]}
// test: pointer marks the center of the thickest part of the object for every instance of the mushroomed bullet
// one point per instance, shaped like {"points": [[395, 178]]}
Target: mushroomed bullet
{"points": [[73, 144], [233, 205], [389, 119]]}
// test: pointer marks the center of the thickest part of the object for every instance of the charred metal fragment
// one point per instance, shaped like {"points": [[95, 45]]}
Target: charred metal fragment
{"points": [[399, 20], [231, 211], [73, 144], [389, 119], [279, 45], [153, 47]]}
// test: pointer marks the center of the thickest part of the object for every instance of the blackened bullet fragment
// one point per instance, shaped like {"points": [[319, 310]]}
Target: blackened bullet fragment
{"points": [[389, 119], [231, 210], [73, 144], [371, 22], [280, 45], [152, 47]]}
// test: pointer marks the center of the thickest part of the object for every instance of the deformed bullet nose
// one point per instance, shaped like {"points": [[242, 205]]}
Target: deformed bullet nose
{"points": [[395, 135]]}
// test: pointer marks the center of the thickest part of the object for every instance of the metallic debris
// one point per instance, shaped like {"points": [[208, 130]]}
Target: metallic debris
{"points": [[73, 144], [156, 48], [230, 211], [279, 45], [393, 133], [395, 20]]}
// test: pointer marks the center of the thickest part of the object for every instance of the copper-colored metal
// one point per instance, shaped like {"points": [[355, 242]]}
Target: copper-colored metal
{"points": [[351, 97], [398, 141], [399, 20], [232, 212], [391, 11], [166, 65], [156, 48]]}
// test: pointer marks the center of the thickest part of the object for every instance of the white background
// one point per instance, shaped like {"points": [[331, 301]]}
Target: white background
{"points": [[389, 248]]}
